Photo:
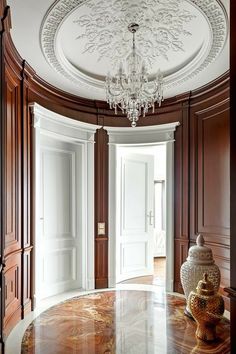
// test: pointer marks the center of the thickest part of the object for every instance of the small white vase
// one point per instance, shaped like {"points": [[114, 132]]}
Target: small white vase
{"points": [[200, 260]]}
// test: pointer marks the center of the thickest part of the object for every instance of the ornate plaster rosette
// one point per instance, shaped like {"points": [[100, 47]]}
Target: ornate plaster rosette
{"points": [[82, 39]]}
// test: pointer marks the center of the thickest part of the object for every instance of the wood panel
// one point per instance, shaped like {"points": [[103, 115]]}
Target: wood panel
{"points": [[101, 208], [213, 171], [27, 213], [181, 192], [3, 28], [232, 289], [12, 178], [12, 197], [209, 178], [12, 292]]}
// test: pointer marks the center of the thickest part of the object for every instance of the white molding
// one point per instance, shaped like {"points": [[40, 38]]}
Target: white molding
{"points": [[150, 135], [56, 124], [61, 128], [138, 136], [169, 216]]}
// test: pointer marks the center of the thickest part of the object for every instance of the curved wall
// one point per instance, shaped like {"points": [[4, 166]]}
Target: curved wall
{"points": [[201, 172]]}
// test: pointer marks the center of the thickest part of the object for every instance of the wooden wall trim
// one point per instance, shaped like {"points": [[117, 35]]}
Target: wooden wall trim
{"points": [[101, 208], [4, 23], [209, 176]]}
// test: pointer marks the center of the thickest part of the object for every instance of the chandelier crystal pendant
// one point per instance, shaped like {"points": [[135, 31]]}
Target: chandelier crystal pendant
{"points": [[130, 89]]}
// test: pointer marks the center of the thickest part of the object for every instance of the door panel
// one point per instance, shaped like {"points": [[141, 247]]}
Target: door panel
{"points": [[134, 215], [60, 241]]}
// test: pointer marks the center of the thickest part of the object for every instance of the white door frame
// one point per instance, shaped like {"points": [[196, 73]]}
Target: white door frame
{"points": [[48, 123], [142, 136]]}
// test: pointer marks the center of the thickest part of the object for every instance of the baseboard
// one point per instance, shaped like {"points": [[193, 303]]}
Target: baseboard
{"points": [[111, 282], [11, 322], [27, 308], [90, 284], [101, 283]]}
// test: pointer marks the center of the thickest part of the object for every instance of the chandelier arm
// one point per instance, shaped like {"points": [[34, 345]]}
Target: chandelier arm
{"points": [[122, 82], [113, 94], [154, 92]]}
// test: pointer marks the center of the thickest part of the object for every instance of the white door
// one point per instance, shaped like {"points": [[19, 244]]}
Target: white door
{"points": [[135, 199], [58, 254]]}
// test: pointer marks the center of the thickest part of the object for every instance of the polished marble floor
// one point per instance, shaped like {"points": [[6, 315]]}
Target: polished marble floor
{"points": [[122, 322]]}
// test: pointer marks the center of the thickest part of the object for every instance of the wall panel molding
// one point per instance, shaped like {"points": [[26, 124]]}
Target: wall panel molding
{"points": [[101, 208], [209, 178]]}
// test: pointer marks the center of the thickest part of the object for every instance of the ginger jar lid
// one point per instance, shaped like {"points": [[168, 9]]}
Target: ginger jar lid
{"points": [[200, 254]]}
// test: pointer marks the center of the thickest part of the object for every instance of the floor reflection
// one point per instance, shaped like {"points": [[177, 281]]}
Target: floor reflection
{"points": [[122, 322]]}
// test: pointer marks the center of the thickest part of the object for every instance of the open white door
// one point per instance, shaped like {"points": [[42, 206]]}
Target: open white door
{"points": [[135, 218]]}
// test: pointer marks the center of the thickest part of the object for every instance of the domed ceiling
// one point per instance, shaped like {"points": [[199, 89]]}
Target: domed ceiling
{"points": [[73, 44]]}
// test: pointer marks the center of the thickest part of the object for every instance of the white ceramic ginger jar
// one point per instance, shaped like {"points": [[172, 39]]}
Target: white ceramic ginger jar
{"points": [[200, 260]]}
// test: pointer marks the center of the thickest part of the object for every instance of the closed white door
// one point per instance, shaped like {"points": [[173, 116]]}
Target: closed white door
{"points": [[135, 219], [59, 243]]}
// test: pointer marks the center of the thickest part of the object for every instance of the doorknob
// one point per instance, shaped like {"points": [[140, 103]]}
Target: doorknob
{"points": [[150, 217]]}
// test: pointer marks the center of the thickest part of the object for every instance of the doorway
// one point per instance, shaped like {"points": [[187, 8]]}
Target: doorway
{"points": [[64, 203], [59, 237], [141, 214], [145, 137]]}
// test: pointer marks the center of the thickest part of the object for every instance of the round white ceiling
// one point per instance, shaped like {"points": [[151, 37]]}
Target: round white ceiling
{"points": [[81, 41]]}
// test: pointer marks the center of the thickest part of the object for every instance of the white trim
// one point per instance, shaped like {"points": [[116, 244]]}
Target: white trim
{"points": [[169, 216], [149, 129], [41, 115], [147, 135], [58, 127], [151, 135]]}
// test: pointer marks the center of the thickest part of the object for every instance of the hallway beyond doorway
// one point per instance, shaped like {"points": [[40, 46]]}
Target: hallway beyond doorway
{"points": [[158, 278]]}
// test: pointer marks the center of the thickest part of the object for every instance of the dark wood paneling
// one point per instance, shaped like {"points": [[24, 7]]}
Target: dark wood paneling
{"points": [[12, 167], [181, 200], [232, 290], [101, 208], [12, 196], [27, 214], [209, 177], [3, 27], [12, 291], [213, 171], [101, 262]]}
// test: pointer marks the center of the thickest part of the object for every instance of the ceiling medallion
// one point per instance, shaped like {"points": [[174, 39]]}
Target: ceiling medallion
{"points": [[101, 34], [130, 89], [163, 28]]}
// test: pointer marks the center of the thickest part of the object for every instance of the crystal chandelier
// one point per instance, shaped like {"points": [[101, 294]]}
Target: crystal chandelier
{"points": [[130, 89]]}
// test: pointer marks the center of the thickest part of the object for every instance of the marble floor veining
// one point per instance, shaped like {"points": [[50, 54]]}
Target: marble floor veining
{"points": [[121, 322]]}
